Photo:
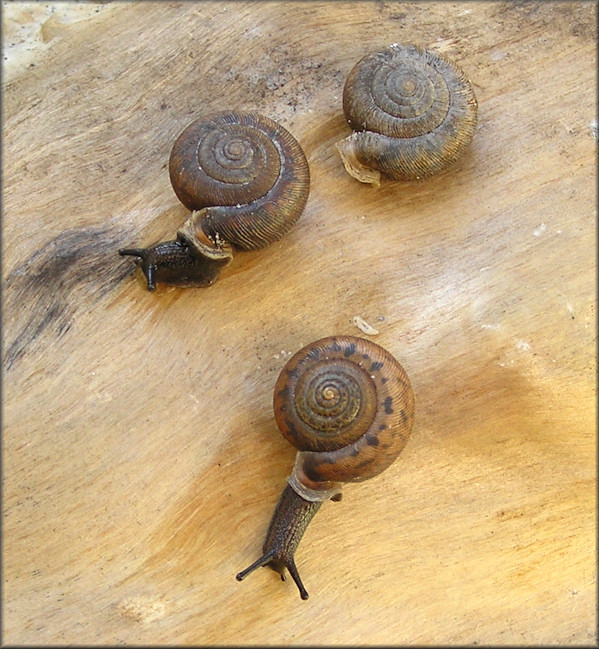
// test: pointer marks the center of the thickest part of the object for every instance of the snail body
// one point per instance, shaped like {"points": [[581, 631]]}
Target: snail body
{"points": [[347, 405], [246, 180], [412, 112]]}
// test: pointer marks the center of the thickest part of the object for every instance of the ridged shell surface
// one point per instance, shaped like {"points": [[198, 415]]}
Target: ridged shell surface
{"points": [[347, 405], [247, 172], [413, 112]]}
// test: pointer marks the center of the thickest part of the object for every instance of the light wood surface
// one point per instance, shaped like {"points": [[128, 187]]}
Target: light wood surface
{"points": [[141, 458]]}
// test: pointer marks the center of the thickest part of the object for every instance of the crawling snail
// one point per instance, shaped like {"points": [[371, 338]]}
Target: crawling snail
{"points": [[246, 180], [347, 405], [412, 111]]}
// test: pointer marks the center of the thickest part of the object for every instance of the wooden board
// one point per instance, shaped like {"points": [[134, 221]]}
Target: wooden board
{"points": [[141, 458]]}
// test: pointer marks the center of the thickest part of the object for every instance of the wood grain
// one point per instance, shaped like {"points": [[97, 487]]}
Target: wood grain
{"points": [[141, 458]]}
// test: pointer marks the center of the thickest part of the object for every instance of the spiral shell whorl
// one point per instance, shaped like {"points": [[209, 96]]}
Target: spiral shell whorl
{"points": [[347, 405], [412, 111], [246, 173]]}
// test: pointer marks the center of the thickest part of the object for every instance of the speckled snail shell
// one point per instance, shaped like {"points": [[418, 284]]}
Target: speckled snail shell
{"points": [[246, 180], [347, 405], [412, 111]]}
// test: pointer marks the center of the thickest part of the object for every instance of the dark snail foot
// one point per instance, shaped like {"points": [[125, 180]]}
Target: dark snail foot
{"points": [[175, 262], [270, 559]]}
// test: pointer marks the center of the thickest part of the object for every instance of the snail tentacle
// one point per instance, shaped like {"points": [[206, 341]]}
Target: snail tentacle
{"points": [[288, 524]]}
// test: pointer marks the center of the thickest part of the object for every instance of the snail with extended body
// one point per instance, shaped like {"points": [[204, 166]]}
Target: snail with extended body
{"points": [[347, 405], [412, 111], [246, 180]]}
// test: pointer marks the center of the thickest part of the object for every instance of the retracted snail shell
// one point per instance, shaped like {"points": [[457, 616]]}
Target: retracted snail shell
{"points": [[413, 112]]}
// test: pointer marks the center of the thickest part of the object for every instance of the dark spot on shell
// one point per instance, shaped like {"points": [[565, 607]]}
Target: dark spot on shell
{"points": [[360, 465], [372, 440], [404, 417], [375, 367], [382, 426], [354, 452], [336, 347], [387, 403], [293, 372], [384, 379], [365, 356], [351, 348], [314, 353]]}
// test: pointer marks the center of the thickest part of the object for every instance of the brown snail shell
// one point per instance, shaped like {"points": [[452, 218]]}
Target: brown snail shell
{"points": [[246, 173], [412, 111], [246, 180], [347, 405]]}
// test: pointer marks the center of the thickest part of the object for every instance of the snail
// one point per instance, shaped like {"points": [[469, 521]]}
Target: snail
{"points": [[412, 112], [347, 405], [246, 180]]}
